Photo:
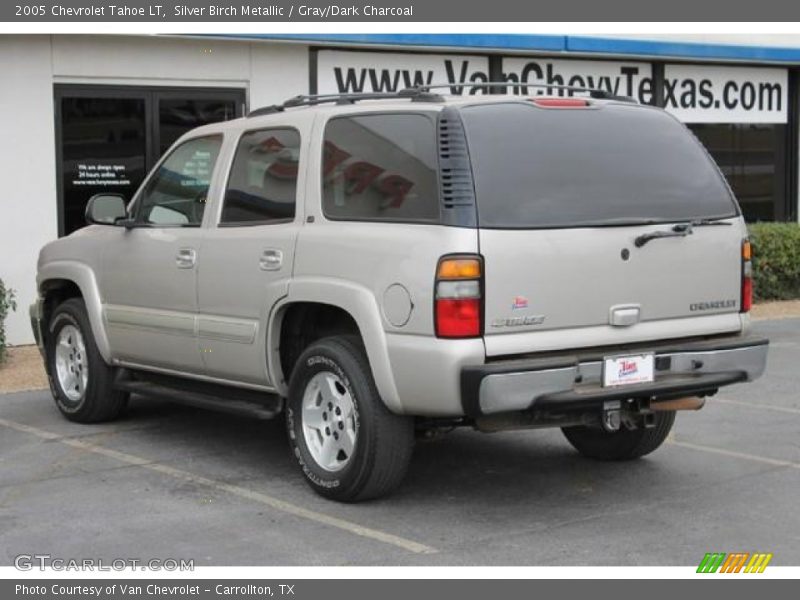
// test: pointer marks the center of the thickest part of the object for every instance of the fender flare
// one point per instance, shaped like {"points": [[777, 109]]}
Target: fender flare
{"points": [[82, 276], [360, 303]]}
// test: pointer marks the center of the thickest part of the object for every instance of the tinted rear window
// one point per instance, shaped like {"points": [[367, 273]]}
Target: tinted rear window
{"points": [[380, 167], [536, 167]]}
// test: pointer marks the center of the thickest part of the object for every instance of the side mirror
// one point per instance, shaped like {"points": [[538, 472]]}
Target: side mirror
{"points": [[105, 209]]}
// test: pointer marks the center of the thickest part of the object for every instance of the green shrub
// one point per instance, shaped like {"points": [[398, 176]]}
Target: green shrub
{"points": [[776, 260], [7, 303]]}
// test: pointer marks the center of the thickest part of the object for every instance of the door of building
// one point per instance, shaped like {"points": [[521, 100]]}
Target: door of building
{"points": [[109, 137]]}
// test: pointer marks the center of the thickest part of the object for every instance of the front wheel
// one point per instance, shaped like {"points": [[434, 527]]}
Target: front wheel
{"points": [[624, 444], [81, 381], [347, 443]]}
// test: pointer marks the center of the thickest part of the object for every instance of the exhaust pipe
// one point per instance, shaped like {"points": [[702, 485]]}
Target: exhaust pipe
{"points": [[688, 403]]}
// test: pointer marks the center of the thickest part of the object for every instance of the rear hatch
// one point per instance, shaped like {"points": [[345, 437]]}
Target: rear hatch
{"points": [[563, 195]]}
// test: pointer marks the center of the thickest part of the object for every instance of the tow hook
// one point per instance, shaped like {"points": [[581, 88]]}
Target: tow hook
{"points": [[612, 416]]}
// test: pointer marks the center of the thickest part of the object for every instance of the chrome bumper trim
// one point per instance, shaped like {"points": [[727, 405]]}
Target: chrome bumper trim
{"points": [[503, 392]]}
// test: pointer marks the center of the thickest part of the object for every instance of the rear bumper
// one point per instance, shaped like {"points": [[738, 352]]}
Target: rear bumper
{"points": [[572, 381]]}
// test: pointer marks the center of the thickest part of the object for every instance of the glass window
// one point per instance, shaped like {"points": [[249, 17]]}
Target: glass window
{"points": [[176, 194], [176, 116], [380, 167], [109, 137], [538, 167], [103, 144], [750, 156], [262, 186]]}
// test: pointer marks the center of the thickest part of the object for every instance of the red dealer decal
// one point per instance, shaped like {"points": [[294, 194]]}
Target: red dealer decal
{"points": [[278, 169], [361, 174]]}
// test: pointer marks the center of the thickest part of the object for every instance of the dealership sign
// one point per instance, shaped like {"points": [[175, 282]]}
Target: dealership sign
{"points": [[694, 93], [618, 78], [347, 72], [720, 94]]}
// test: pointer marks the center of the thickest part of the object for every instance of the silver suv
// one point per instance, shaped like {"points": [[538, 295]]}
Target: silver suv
{"points": [[381, 266]]}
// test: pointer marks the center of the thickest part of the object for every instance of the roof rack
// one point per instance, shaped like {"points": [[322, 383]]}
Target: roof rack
{"points": [[593, 92], [422, 93], [350, 98]]}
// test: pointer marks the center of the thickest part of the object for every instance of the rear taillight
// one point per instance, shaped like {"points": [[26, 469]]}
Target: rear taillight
{"points": [[747, 277], [458, 297]]}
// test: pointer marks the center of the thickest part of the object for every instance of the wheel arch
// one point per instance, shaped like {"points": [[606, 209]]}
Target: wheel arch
{"points": [[359, 304], [60, 280]]}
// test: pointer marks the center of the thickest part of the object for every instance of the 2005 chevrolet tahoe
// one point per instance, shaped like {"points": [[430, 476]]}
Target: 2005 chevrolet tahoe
{"points": [[375, 266]]}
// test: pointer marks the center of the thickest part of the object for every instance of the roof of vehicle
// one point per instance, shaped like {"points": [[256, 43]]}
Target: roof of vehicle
{"points": [[336, 104]]}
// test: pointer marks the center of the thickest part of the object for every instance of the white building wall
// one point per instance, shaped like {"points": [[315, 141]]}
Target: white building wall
{"points": [[28, 208], [30, 65], [278, 72]]}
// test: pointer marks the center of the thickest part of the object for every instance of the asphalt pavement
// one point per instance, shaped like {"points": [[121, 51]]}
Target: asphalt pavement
{"points": [[168, 481]]}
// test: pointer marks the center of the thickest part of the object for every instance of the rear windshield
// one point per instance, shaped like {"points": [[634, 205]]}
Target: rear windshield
{"points": [[538, 167]]}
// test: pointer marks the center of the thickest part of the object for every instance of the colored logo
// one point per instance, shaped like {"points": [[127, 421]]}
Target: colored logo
{"points": [[519, 302], [736, 562], [628, 368]]}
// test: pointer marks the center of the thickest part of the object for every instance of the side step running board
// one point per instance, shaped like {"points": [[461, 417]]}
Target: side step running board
{"points": [[213, 397]]}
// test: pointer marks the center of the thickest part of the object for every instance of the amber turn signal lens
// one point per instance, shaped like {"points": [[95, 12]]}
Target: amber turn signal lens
{"points": [[747, 250], [459, 268]]}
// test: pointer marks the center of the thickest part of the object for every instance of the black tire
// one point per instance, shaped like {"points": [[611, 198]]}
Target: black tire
{"points": [[625, 444], [99, 400], [383, 441]]}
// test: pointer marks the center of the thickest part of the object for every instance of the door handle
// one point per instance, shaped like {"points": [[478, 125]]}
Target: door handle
{"points": [[186, 258], [271, 260]]}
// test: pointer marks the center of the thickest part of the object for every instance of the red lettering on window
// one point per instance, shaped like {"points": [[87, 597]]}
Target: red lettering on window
{"points": [[359, 175], [332, 156], [396, 188]]}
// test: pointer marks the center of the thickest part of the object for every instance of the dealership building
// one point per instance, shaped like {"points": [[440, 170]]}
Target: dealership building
{"points": [[82, 114]]}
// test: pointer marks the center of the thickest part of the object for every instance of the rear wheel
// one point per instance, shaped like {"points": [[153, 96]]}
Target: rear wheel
{"points": [[80, 380], [347, 443], [624, 444]]}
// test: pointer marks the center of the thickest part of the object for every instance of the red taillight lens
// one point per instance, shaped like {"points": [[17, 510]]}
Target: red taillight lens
{"points": [[560, 102], [747, 277], [458, 318], [457, 292], [747, 294]]}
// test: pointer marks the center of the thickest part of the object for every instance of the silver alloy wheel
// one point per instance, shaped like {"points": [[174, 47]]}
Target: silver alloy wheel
{"points": [[72, 364], [329, 421]]}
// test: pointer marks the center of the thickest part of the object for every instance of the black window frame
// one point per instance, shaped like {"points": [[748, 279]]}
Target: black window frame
{"points": [[135, 206], [220, 223], [781, 209], [151, 94], [788, 153], [431, 116]]}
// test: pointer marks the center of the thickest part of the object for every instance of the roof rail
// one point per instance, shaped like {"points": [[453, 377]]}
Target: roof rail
{"points": [[593, 92], [422, 93], [414, 94]]}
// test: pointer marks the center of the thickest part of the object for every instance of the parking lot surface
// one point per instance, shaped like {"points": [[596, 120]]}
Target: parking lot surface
{"points": [[168, 481]]}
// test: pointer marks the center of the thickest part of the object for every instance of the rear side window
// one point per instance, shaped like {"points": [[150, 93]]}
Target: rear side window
{"points": [[262, 186], [537, 167], [380, 167]]}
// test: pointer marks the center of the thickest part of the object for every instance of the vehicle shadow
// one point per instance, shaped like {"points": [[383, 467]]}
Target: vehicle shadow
{"points": [[534, 467]]}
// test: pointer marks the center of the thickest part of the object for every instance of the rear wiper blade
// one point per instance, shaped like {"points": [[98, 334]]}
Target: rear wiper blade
{"points": [[702, 222], [677, 231], [621, 222]]}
